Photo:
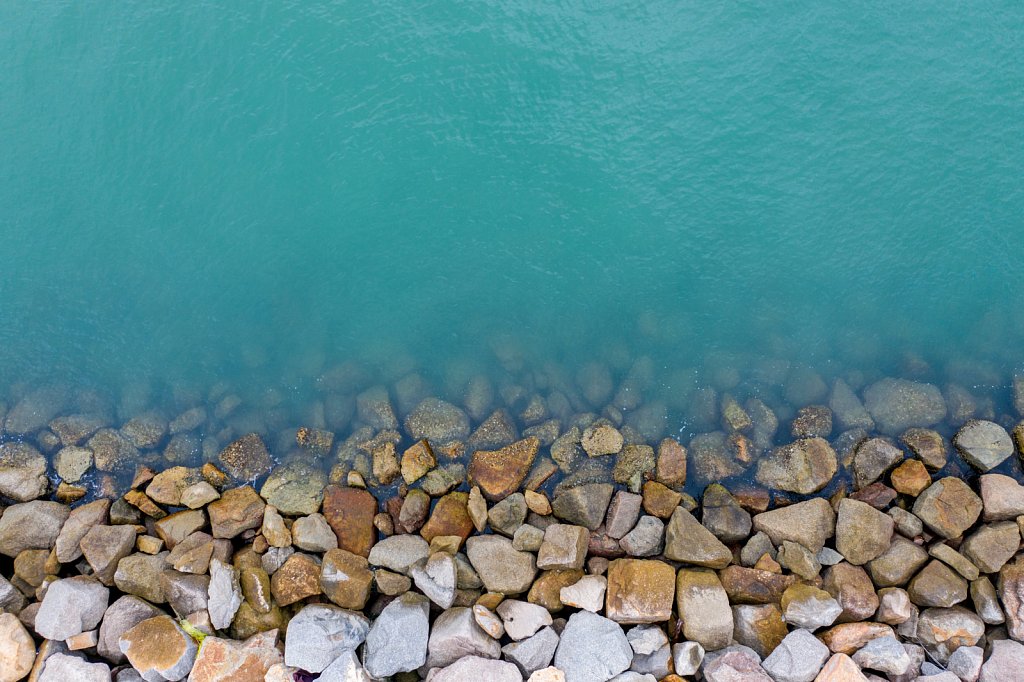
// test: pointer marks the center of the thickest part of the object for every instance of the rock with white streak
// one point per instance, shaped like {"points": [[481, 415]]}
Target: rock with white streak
{"points": [[319, 633], [397, 642], [437, 578], [587, 593], [455, 635], [345, 668]]}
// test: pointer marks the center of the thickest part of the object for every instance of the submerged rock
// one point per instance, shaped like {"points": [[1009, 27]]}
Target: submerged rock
{"points": [[438, 421], [984, 444], [247, 458], [22, 472], [898, 404], [804, 467]]}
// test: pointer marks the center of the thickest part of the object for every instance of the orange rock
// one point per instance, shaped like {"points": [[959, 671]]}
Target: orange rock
{"points": [[911, 478], [671, 467], [499, 473], [450, 517], [660, 500], [350, 512], [640, 591], [848, 637], [840, 668], [224, 660], [417, 461]]}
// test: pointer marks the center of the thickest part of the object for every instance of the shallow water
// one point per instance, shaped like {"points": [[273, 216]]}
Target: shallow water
{"points": [[252, 196]]}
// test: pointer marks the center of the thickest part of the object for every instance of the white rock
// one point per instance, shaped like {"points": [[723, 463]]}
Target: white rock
{"points": [[399, 552], [225, 594], [397, 642], [71, 606], [17, 650], [455, 635], [488, 621], [313, 534], [345, 668], [587, 593], [966, 662], [687, 657], [1005, 662], [798, 658], [549, 674], [592, 649], [476, 669], [884, 654], [437, 578], [522, 619], [646, 639], [66, 668], [532, 653], [319, 633]]}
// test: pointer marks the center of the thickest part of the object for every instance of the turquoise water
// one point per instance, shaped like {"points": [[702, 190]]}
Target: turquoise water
{"points": [[253, 193]]}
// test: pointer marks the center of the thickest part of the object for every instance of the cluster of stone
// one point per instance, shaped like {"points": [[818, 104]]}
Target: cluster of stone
{"points": [[553, 554]]}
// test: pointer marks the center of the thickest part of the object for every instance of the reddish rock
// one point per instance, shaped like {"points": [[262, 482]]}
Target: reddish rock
{"points": [[878, 495], [225, 660], [671, 466], [350, 512], [753, 586], [849, 637], [237, 510], [499, 473], [450, 517]]}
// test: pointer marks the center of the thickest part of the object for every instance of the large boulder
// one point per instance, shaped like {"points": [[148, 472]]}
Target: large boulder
{"points": [[592, 649], [984, 444], [898, 404], [22, 472], [804, 466]]}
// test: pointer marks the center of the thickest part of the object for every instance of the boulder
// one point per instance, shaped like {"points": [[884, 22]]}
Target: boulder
{"points": [[583, 505], [297, 488], [397, 641], [319, 633], [499, 473], [17, 649], [247, 458], [984, 444], [225, 660], [456, 635], [124, 614], [71, 606], [804, 467], [898, 404], [592, 649], [438, 421], [810, 523], [22, 472], [159, 649]]}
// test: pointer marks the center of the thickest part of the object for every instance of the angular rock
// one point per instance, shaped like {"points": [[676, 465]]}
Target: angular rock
{"points": [[798, 658], [884, 654], [297, 579], [639, 591], [809, 523], [111, 451], [872, 459], [159, 649], [319, 633], [623, 513], [17, 649], [1005, 662], [104, 546], [297, 488], [225, 660], [1011, 593], [898, 564], [124, 614], [533, 653], [928, 445], [60, 667], [224, 594], [862, 532], [399, 552], [806, 606], [350, 512], [734, 663], [478, 668], [31, 525], [237, 510], [943, 630], [948, 507], [456, 635], [588, 593], [522, 619], [687, 541], [500, 473], [76, 526], [852, 588], [592, 648], [564, 546], [1002, 497], [139, 574], [759, 627], [991, 546], [346, 579], [417, 461], [646, 539], [601, 439], [450, 518], [703, 605], [313, 534], [397, 641], [71, 606], [583, 505], [437, 579], [804, 467], [984, 444]]}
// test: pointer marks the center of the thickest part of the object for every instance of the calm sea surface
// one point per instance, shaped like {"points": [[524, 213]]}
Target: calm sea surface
{"points": [[249, 194]]}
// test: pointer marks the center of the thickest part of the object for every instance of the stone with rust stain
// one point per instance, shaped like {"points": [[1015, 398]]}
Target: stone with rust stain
{"points": [[225, 660], [247, 458], [346, 579], [639, 591], [450, 517], [499, 473], [159, 649], [350, 512], [671, 467], [417, 461], [297, 579], [237, 510], [547, 588]]}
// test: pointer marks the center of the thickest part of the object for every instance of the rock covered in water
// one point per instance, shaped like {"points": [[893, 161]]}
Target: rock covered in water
{"points": [[984, 444], [437, 421], [499, 473], [22, 472], [247, 458], [804, 466], [898, 404]]}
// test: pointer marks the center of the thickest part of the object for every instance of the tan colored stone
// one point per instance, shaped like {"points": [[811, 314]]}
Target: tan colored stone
{"points": [[671, 466], [703, 606], [237, 510], [298, 578], [141, 501], [385, 463], [639, 591], [547, 588], [537, 502], [178, 526], [225, 660], [660, 500], [849, 637], [948, 507], [840, 668], [346, 579], [159, 647], [247, 458], [17, 649], [417, 461], [911, 477]]}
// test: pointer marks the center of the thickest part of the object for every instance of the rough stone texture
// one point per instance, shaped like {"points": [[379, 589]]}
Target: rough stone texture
{"points": [[928, 445], [1005, 662], [296, 579], [159, 649], [124, 614], [948, 507], [583, 505], [840, 668], [397, 641], [247, 458], [687, 541], [71, 606], [346, 579], [350, 512], [809, 523], [533, 653], [564, 546], [806, 606], [522, 619], [646, 539], [225, 660], [897, 564], [798, 658], [623, 513], [984, 444], [759, 627], [1002, 497], [224, 594], [450, 517], [313, 534], [76, 526], [639, 591], [295, 488], [438, 421], [592, 649], [139, 574], [17, 649], [804, 467], [872, 459], [703, 605], [31, 525], [499, 473], [22, 472], [862, 532], [723, 515], [1011, 593], [399, 552], [990, 547], [111, 451], [884, 654], [735, 663], [61, 667], [237, 510], [478, 668], [104, 546], [847, 409], [319, 633], [501, 567], [455, 635], [898, 404], [437, 578], [943, 630], [852, 588], [601, 439]]}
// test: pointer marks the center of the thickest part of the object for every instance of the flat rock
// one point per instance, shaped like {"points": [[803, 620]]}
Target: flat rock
{"points": [[884, 654], [1002, 497], [60, 667], [313, 534], [22, 472], [810, 523], [350, 512], [237, 510], [928, 445], [798, 658], [112, 451], [862, 532], [687, 541], [319, 633], [31, 525], [76, 526], [499, 473], [455, 635], [296, 579], [646, 539], [984, 444], [592, 649], [159, 649], [898, 404], [397, 641], [809, 607], [703, 605], [35, 409], [991, 546], [399, 552], [450, 517], [898, 563], [247, 458], [139, 574], [297, 488], [948, 507], [564, 546], [501, 567], [639, 591], [71, 606], [588, 593], [804, 466]]}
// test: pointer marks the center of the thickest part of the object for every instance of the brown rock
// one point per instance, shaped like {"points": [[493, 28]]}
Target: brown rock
{"points": [[898, 563], [760, 627], [840, 668], [877, 495], [237, 510], [346, 579], [450, 517], [385, 463], [948, 507], [911, 477], [671, 465], [225, 660], [687, 541], [937, 585], [872, 459], [1011, 593], [499, 473], [417, 461], [852, 588], [547, 588], [943, 631], [157, 648], [660, 500], [703, 606], [928, 445], [167, 486], [176, 527], [639, 591], [993, 545], [862, 532], [754, 586], [350, 512], [141, 501], [297, 579], [808, 523], [804, 467], [104, 546], [849, 637], [247, 458]]}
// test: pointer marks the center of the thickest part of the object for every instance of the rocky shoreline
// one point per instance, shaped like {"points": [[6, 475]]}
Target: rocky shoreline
{"points": [[851, 539]]}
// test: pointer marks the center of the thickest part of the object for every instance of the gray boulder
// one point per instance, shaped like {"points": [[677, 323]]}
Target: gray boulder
{"points": [[898, 404], [319, 633], [798, 658], [454, 635], [984, 444], [397, 642], [592, 648], [71, 606]]}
